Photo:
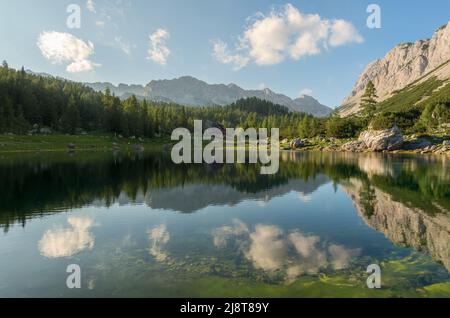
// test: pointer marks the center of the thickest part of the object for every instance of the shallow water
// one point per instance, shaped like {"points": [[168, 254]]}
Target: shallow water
{"points": [[140, 226]]}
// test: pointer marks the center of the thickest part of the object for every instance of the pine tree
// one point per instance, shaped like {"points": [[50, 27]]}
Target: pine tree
{"points": [[71, 117], [369, 100]]}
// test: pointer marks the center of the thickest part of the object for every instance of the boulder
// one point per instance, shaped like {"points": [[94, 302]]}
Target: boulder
{"points": [[354, 146], [383, 140], [71, 146], [418, 144], [296, 143], [45, 131]]}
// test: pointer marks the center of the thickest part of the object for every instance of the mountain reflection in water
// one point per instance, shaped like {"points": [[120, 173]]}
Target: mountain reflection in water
{"points": [[407, 198]]}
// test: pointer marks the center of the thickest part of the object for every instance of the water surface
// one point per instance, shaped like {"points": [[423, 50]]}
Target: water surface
{"points": [[140, 226]]}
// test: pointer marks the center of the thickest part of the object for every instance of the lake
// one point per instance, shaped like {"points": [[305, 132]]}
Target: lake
{"points": [[138, 225]]}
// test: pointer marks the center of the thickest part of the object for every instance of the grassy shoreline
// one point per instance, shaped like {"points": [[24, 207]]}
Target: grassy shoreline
{"points": [[74, 143], [10, 143]]}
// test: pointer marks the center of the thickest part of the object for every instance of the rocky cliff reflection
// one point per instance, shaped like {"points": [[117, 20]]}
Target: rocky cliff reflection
{"points": [[406, 198]]}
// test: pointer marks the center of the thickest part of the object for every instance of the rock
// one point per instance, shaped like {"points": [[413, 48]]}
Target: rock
{"points": [[354, 146], [71, 146], [402, 66], [418, 144], [446, 143], [285, 141], [331, 148], [381, 140], [296, 143], [45, 131]]}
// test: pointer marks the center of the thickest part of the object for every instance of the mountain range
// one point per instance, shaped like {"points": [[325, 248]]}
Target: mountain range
{"points": [[190, 91], [406, 65]]}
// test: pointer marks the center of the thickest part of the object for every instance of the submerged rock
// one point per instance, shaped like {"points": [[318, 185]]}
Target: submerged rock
{"points": [[383, 140]]}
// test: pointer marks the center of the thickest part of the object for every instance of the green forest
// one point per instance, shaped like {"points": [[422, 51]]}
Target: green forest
{"points": [[29, 102]]}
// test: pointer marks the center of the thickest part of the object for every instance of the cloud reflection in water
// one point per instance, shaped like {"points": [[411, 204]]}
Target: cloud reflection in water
{"points": [[270, 248], [66, 242]]}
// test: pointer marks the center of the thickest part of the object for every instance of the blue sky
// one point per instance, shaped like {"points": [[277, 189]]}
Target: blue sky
{"points": [[189, 38]]}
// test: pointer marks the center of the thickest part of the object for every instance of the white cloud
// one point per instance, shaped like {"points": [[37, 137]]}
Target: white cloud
{"points": [[343, 32], [67, 242], [222, 54], [286, 33], [124, 46], [269, 248], [90, 6], [159, 237], [100, 24], [158, 51], [61, 48], [306, 91], [224, 233]]}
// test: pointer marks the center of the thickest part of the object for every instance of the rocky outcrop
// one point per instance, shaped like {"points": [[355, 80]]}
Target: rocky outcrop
{"points": [[403, 65], [354, 146], [382, 140], [376, 140], [403, 225], [297, 143]]}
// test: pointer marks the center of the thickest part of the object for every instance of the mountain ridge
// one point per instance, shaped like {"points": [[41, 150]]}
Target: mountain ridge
{"points": [[406, 64], [190, 91]]}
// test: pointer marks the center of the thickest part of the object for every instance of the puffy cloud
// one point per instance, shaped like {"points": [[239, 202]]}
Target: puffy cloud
{"points": [[90, 6], [68, 242], [287, 33], [61, 47], [222, 54], [341, 256], [269, 248], [159, 237], [343, 32], [158, 51], [222, 234]]}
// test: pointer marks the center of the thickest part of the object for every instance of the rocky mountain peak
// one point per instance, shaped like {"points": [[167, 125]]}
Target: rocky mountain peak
{"points": [[403, 65]]}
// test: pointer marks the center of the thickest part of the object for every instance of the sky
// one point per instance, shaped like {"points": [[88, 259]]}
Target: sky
{"points": [[298, 47]]}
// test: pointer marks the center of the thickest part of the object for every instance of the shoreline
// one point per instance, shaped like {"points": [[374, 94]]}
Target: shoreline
{"points": [[96, 143]]}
